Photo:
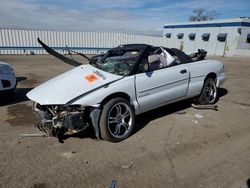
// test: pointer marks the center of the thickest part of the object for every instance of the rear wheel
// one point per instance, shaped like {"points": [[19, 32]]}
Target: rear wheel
{"points": [[117, 120], [209, 92]]}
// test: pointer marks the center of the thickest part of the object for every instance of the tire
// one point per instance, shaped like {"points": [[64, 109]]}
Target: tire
{"points": [[209, 92], [117, 120]]}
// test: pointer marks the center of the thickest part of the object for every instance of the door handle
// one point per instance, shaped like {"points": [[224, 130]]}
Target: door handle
{"points": [[183, 71]]}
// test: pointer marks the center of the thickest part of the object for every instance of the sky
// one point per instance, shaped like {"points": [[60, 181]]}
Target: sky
{"points": [[125, 16]]}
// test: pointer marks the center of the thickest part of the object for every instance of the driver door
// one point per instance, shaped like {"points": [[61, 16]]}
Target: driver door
{"points": [[158, 87]]}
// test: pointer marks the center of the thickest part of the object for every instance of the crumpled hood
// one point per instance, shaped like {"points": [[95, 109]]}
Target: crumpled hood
{"points": [[70, 85]]}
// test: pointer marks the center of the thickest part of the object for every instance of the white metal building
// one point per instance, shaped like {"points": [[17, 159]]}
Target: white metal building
{"points": [[13, 41], [218, 37]]}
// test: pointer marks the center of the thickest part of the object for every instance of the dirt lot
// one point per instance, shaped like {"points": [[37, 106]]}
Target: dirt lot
{"points": [[174, 146]]}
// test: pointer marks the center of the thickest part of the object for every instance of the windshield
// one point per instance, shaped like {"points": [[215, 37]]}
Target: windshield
{"points": [[117, 62]]}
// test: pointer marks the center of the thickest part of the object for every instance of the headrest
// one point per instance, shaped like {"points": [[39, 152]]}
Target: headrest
{"points": [[169, 59]]}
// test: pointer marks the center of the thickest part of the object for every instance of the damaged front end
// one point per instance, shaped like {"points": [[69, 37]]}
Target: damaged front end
{"points": [[59, 120]]}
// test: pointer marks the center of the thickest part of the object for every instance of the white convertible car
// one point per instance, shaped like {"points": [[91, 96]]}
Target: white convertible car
{"points": [[113, 88]]}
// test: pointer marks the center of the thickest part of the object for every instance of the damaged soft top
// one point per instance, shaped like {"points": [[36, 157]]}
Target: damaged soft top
{"points": [[62, 57]]}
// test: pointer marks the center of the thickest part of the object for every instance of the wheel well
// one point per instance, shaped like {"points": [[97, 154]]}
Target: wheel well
{"points": [[211, 75], [116, 95]]}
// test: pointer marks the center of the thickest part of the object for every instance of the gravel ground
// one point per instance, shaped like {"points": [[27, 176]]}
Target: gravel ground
{"points": [[173, 146]]}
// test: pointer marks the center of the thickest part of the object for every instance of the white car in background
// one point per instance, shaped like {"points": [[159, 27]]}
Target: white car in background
{"points": [[7, 78]]}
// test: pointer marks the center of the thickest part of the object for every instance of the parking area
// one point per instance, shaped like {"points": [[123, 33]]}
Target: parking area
{"points": [[173, 146]]}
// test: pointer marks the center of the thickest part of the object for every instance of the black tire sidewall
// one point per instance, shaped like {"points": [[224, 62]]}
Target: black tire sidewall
{"points": [[203, 98], [105, 134]]}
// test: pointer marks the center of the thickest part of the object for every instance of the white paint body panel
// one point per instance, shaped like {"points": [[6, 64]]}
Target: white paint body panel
{"points": [[161, 86], [68, 85]]}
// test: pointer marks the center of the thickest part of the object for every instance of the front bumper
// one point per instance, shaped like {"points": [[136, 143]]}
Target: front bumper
{"points": [[7, 82], [220, 79], [65, 122]]}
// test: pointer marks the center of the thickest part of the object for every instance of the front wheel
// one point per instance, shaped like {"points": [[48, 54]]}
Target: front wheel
{"points": [[209, 92], [117, 120]]}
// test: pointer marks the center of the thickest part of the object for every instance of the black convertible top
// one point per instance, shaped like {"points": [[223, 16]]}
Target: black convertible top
{"points": [[183, 58], [131, 47], [143, 48], [178, 54]]}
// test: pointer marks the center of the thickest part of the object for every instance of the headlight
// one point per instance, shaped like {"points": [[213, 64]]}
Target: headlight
{"points": [[6, 70], [12, 71]]}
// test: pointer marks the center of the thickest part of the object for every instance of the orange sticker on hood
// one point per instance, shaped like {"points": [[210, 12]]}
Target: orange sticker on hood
{"points": [[91, 78]]}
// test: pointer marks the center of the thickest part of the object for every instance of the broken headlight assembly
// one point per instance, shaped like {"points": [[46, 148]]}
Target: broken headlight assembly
{"points": [[58, 120]]}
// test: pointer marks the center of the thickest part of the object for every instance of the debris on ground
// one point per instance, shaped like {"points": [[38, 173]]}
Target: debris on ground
{"points": [[198, 115], [205, 107], [41, 134], [113, 184], [195, 121], [180, 112], [243, 107], [67, 154], [228, 135], [127, 166]]}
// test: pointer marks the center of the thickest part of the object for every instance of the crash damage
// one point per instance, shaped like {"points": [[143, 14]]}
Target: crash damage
{"points": [[60, 120], [106, 94]]}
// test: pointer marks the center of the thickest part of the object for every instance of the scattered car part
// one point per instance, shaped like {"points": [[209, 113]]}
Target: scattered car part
{"points": [[59, 56], [78, 53], [112, 184], [34, 135], [205, 107]]}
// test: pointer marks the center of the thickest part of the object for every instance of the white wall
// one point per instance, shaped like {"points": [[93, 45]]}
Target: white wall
{"points": [[242, 44], [213, 46], [243, 47], [235, 43], [14, 41]]}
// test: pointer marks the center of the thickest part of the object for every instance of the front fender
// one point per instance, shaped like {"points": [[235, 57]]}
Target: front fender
{"points": [[125, 85]]}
